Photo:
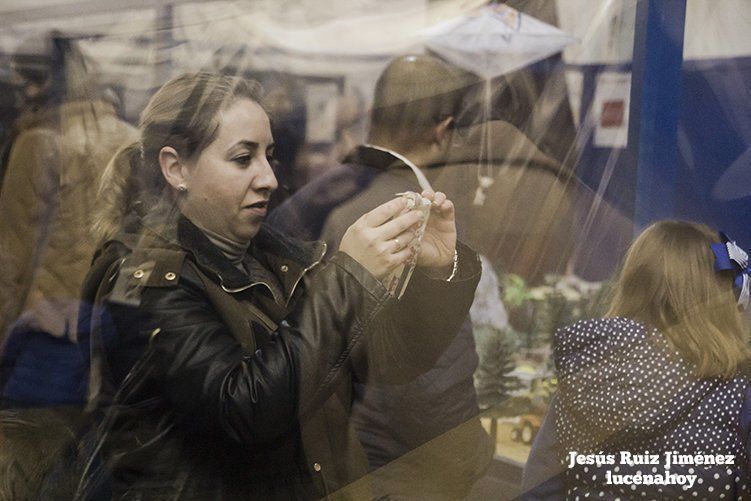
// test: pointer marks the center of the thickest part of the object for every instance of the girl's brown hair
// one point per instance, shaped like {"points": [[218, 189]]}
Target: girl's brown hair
{"points": [[183, 114], [668, 282]]}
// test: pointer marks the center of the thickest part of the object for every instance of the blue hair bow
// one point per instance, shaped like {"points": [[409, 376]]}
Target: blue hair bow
{"points": [[729, 256]]}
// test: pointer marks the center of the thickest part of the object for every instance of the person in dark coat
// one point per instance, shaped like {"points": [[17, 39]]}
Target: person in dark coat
{"points": [[63, 139], [427, 431], [223, 352], [660, 376]]}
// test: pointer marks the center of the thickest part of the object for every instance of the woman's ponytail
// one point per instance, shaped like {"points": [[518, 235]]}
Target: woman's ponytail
{"points": [[117, 191]]}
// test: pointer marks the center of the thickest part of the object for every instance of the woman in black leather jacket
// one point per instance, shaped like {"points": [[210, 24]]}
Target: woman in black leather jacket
{"points": [[222, 351]]}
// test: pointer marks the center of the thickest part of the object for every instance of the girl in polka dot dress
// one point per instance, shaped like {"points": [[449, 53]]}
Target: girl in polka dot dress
{"points": [[660, 374]]}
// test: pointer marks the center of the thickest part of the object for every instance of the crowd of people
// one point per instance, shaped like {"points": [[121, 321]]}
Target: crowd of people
{"points": [[171, 328]]}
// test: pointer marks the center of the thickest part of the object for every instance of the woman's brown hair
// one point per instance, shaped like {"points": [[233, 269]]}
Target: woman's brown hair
{"points": [[668, 282], [183, 114]]}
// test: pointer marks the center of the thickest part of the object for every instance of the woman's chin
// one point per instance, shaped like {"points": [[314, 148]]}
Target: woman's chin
{"points": [[248, 230]]}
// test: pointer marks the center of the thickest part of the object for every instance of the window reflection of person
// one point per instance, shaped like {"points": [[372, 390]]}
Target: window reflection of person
{"points": [[234, 358], [64, 137]]}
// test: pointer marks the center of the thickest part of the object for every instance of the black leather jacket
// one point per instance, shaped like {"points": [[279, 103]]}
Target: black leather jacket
{"points": [[213, 390]]}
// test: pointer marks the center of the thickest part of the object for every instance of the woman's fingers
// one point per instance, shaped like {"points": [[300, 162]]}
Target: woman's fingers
{"points": [[384, 238], [446, 209], [440, 203], [400, 224], [403, 240], [384, 212], [439, 198], [402, 256]]}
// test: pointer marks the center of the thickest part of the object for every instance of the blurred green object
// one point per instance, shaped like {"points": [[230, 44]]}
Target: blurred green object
{"points": [[515, 291], [537, 312], [515, 375], [495, 349]]}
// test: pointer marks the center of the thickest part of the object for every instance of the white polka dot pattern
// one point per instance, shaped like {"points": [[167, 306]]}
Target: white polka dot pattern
{"points": [[621, 388]]}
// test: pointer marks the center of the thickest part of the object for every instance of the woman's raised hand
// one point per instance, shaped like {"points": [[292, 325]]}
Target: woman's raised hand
{"points": [[380, 240], [439, 241]]}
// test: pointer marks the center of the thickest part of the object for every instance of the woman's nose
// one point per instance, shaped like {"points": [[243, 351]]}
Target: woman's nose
{"points": [[266, 179]]}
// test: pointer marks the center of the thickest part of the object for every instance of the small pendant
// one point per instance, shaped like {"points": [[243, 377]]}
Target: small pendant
{"points": [[485, 182]]}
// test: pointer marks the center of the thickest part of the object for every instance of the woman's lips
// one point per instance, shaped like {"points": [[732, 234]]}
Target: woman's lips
{"points": [[258, 208]]}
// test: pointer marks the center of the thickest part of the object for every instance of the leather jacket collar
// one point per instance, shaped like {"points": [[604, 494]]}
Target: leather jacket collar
{"points": [[372, 157], [288, 259]]}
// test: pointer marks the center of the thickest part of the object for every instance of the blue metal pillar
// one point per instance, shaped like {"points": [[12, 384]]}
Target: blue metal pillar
{"points": [[655, 101]]}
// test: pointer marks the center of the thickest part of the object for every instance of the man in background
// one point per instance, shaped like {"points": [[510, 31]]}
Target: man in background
{"points": [[422, 439]]}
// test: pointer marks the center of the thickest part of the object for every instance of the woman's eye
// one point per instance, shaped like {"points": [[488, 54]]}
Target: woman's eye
{"points": [[242, 160]]}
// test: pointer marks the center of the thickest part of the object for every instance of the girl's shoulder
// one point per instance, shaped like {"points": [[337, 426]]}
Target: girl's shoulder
{"points": [[602, 335], [598, 327]]}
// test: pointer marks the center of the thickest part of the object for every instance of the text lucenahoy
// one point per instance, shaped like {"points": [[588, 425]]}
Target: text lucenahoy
{"points": [[667, 460]]}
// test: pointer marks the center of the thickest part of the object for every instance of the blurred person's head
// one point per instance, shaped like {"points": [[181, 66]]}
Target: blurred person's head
{"points": [[31, 72], [47, 71], [416, 102], [668, 281], [204, 144], [78, 74]]}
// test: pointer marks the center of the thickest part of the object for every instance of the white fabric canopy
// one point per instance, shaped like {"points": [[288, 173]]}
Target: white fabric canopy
{"points": [[495, 40]]}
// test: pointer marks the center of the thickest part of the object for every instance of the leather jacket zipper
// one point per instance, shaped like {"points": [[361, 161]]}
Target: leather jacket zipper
{"points": [[240, 289], [294, 286], [314, 264]]}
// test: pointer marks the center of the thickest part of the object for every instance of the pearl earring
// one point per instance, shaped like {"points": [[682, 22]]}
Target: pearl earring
{"points": [[182, 188]]}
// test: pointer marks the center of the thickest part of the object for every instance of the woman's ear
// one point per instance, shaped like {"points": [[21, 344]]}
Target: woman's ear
{"points": [[173, 168], [442, 131]]}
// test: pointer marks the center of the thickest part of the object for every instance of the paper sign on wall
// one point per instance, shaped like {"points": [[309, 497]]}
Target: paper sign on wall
{"points": [[611, 109]]}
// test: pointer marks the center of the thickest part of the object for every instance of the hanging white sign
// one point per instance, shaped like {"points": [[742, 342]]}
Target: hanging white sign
{"points": [[610, 109]]}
